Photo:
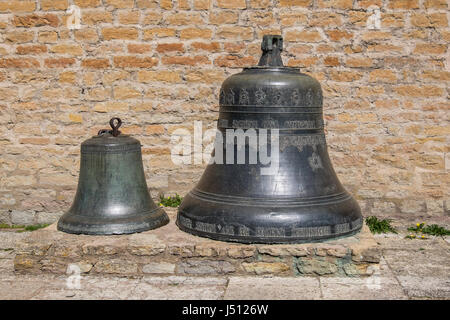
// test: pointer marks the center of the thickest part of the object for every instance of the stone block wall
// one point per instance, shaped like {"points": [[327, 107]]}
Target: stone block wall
{"points": [[159, 65]]}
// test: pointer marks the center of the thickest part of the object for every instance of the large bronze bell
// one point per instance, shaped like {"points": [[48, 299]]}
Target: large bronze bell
{"points": [[301, 199], [112, 195]]}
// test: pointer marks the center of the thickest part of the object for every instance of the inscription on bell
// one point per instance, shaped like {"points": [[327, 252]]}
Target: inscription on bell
{"points": [[186, 221], [272, 124], [244, 97], [269, 124], [260, 97], [245, 124], [301, 141], [277, 97], [303, 124], [205, 227], [295, 97], [244, 231], [226, 229], [230, 97], [274, 96], [270, 232]]}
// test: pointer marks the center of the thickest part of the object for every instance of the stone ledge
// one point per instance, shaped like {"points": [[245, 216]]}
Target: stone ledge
{"points": [[168, 251]]}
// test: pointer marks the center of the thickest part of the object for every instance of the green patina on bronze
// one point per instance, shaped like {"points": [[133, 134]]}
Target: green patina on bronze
{"points": [[112, 195]]}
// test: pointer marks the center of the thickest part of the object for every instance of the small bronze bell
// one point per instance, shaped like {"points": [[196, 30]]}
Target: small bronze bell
{"points": [[112, 195], [300, 198]]}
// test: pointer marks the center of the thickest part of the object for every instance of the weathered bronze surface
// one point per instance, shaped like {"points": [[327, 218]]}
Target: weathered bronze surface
{"points": [[112, 195], [303, 200]]}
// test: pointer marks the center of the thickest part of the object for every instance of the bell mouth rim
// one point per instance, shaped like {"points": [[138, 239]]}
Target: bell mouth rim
{"points": [[354, 227], [138, 222]]}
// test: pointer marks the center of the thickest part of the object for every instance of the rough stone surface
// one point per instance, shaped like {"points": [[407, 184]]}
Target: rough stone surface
{"points": [[147, 291], [5, 216], [116, 266], [159, 267], [427, 261], [205, 267], [426, 287], [9, 240], [381, 284], [277, 288], [167, 250], [319, 266], [108, 288], [361, 289], [408, 269], [22, 217], [265, 267]]}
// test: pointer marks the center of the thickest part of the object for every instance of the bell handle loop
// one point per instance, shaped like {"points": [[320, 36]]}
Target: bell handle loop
{"points": [[271, 47], [115, 128]]}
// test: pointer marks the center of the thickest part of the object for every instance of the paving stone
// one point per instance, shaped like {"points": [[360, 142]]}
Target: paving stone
{"points": [[285, 250], [6, 254], [10, 290], [370, 288], [398, 242], [22, 217], [6, 265], [158, 267], [205, 267], [113, 291], [428, 262], [276, 288], [26, 287], [180, 287], [116, 266], [265, 267], [381, 284], [48, 217], [5, 216], [174, 280], [319, 266], [9, 239], [145, 244], [61, 294], [426, 287], [101, 283], [52, 287], [178, 292]]}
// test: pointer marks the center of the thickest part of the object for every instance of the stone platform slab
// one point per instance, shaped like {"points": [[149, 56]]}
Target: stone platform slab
{"points": [[169, 251]]}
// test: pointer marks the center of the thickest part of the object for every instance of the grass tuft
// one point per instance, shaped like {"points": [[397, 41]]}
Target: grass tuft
{"points": [[23, 228], [9, 226], [170, 201], [36, 227], [380, 226], [433, 229]]}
